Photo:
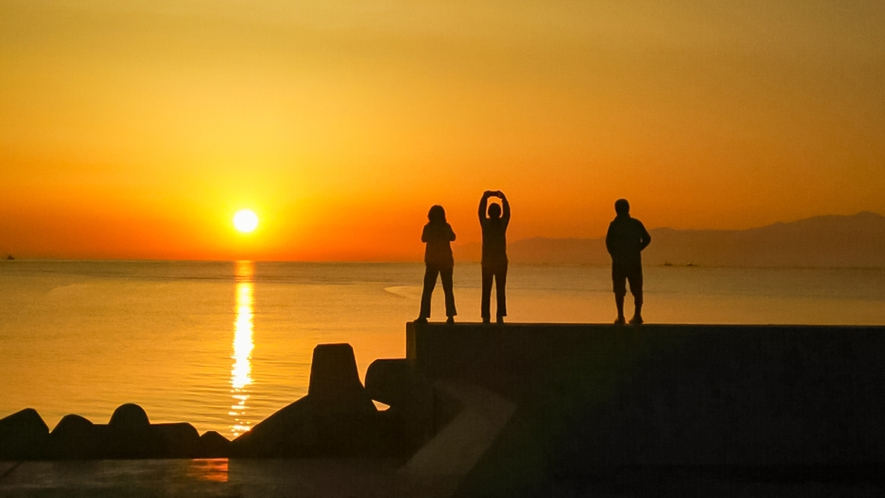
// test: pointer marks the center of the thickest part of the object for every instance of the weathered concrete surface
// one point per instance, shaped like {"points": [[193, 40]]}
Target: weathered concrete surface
{"points": [[443, 462], [595, 396]]}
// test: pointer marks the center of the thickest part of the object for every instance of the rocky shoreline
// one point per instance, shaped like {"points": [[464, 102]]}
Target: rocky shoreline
{"points": [[335, 419]]}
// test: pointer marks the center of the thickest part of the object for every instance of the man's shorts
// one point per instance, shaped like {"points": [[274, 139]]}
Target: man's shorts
{"points": [[620, 277]]}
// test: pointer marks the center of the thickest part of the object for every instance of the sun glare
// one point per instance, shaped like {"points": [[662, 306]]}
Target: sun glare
{"points": [[246, 220]]}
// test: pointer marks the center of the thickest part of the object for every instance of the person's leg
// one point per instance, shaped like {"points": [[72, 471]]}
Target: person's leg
{"points": [[430, 273], [619, 302], [486, 294], [619, 285], [446, 277], [636, 290], [500, 284]]}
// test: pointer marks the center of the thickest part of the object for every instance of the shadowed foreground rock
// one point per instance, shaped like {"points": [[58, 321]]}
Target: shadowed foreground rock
{"points": [[75, 438], [336, 418], [23, 435], [128, 435], [214, 445], [397, 383]]}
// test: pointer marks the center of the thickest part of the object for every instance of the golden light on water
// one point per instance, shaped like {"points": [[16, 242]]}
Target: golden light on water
{"points": [[241, 372], [214, 469]]}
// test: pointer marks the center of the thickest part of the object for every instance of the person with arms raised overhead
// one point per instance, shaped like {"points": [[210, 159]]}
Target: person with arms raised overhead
{"points": [[625, 240], [438, 260], [494, 252]]}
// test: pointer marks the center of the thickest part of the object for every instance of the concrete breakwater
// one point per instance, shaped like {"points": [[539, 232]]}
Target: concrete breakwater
{"points": [[802, 401], [521, 406]]}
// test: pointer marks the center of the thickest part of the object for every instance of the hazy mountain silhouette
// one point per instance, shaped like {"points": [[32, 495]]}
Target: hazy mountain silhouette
{"points": [[822, 241]]}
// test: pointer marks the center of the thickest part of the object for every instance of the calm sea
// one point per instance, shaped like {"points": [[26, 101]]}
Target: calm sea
{"points": [[224, 344]]}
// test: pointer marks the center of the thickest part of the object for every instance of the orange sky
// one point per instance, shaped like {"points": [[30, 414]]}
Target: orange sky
{"points": [[136, 129]]}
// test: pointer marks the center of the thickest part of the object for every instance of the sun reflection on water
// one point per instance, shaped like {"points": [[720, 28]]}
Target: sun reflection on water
{"points": [[241, 372], [214, 469]]}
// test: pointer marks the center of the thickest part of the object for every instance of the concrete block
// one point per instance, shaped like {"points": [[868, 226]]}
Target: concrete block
{"points": [[74, 438], [23, 436], [179, 440], [128, 435], [396, 382], [334, 382], [129, 416], [214, 445]]}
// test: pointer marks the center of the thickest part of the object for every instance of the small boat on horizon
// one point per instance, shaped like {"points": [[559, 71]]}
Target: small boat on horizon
{"points": [[9, 258]]}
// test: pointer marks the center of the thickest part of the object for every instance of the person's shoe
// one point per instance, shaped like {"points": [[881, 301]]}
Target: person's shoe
{"points": [[499, 320], [620, 321], [486, 319], [450, 320], [636, 320], [421, 319]]}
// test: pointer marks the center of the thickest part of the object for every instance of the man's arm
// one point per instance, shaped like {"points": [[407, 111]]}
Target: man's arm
{"points": [[484, 205], [424, 234], [644, 237], [608, 240], [505, 216]]}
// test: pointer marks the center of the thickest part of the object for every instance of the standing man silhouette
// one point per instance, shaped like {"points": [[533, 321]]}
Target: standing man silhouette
{"points": [[625, 240], [494, 252], [438, 260]]}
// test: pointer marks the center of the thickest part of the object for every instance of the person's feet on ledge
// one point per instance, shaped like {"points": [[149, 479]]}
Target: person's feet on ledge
{"points": [[450, 320], [636, 320], [421, 319], [499, 320], [486, 319], [620, 321]]}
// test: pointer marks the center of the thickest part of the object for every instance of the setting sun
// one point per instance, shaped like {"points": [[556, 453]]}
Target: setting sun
{"points": [[246, 220]]}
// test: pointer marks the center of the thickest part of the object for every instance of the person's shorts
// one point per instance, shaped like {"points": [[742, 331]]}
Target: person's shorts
{"points": [[620, 277]]}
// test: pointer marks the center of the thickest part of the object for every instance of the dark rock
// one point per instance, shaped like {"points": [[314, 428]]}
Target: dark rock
{"points": [[334, 382], [288, 432], [74, 437], [409, 421], [336, 418], [179, 440], [23, 436], [214, 445], [129, 417], [129, 435], [303, 429], [391, 381]]}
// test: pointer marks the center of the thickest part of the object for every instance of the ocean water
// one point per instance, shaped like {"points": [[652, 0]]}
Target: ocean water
{"points": [[225, 344]]}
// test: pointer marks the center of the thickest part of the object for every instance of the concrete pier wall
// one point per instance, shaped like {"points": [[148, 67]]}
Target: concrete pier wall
{"points": [[734, 395]]}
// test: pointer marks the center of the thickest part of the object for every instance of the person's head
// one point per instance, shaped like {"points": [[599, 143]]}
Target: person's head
{"points": [[622, 207], [437, 214], [494, 211]]}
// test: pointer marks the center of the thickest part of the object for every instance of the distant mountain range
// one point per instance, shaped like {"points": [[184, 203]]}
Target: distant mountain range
{"points": [[856, 241]]}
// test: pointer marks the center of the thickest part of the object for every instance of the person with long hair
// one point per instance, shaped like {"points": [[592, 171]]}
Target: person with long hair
{"points": [[438, 260]]}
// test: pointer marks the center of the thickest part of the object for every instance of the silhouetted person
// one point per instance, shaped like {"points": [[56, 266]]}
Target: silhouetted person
{"points": [[494, 252], [625, 240], [438, 236]]}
